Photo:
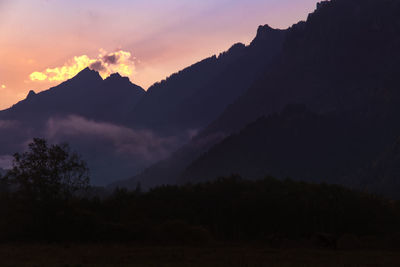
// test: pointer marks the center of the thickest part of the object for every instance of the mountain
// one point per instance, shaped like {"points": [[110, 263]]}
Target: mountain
{"points": [[341, 64], [121, 129], [195, 96], [86, 94], [84, 111], [343, 53]]}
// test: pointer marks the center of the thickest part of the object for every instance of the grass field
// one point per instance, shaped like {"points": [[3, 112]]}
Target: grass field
{"points": [[232, 256]]}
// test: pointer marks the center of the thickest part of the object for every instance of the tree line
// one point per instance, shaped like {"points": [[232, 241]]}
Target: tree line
{"points": [[46, 197]]}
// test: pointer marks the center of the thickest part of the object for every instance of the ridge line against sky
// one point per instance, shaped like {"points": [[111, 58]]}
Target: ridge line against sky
{"points": [[160, 36]]}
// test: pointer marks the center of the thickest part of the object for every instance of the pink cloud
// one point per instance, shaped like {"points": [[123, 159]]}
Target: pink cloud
{"points": [[141, 143]]}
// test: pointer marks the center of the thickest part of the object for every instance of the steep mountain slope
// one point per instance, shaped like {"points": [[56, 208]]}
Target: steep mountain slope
{"points": [[196, 95], [345, 52], [342, 60]]}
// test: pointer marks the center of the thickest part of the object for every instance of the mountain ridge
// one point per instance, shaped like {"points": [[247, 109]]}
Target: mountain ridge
{"points": [[254, 58], [342, 60], [84, 111], [64, 98], [217, 80], [112, 126]]}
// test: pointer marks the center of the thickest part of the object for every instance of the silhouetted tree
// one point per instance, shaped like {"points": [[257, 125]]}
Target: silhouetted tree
{"points": [[47, 172]]}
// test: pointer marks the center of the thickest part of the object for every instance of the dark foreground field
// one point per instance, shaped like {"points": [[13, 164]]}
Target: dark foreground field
{"points": [[124, 255], [271, 222]]}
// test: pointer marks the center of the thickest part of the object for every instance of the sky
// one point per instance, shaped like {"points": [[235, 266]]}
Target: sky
{"points": [[44, 42]]}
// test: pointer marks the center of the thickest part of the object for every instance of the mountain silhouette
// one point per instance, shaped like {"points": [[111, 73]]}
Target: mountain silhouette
{"points": [[341, 64], [120, 128], [195, 96], [86, 94], [318, 101], [89, 100]]}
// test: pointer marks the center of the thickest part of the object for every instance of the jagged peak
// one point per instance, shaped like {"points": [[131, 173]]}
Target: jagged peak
{"points": [[117, 79], [322, 4], [87, 73], [116, 76], [31, 94], [262, 29], [264, 33], [236, 47]]}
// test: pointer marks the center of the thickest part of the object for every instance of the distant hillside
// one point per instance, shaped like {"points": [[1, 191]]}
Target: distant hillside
{"points": [[296, 143]]}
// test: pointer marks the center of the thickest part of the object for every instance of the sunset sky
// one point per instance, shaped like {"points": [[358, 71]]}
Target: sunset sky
{"points": [[44, 42]]}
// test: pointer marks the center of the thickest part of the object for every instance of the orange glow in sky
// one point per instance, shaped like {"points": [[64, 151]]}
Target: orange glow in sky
{"points": [[44, 42], [106, 64]]}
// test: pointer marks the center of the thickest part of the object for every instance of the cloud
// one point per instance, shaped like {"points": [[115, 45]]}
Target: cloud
{"points": [[6, 162], [140, 143], [97, 66], [111, 59], [105, 63], [37, 76]]}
